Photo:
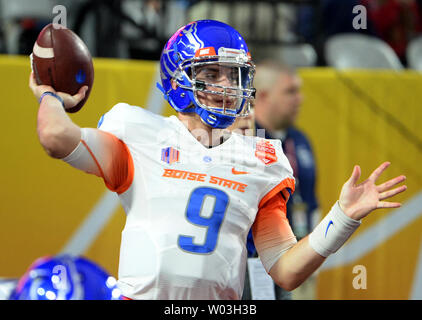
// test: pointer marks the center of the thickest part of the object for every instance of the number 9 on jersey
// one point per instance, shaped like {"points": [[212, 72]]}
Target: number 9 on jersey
{"points": [[212, 223]]}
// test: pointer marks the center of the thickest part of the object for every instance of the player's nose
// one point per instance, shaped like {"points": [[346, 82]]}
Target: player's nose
{"points": [[228, 85]]}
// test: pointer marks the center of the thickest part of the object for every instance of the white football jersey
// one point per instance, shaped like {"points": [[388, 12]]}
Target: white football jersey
{"points": [[189, 208]]}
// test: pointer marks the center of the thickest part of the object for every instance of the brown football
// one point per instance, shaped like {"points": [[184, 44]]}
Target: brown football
{"points": [[61, 59]]}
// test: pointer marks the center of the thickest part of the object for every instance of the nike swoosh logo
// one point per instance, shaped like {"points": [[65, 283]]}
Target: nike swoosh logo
{"points": [[234, 171], [329, 224]]}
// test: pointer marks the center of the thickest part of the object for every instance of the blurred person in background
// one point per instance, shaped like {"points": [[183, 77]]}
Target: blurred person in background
{"points": [[277, 105]]}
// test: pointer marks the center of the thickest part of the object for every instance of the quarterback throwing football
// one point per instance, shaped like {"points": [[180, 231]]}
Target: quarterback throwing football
{"points": [[191, 190]]}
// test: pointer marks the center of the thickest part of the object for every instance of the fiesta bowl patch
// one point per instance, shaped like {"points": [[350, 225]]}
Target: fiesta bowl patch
{"points": [[265, 152]]}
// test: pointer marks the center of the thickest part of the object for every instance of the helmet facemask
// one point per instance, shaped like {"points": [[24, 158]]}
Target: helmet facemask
{"points": [[221, 84]]}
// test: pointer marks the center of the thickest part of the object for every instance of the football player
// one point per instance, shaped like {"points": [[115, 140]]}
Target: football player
{"points": [[191, 192]]}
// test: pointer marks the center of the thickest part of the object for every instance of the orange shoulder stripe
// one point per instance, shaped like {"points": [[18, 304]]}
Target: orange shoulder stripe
{"points": [[286, 183]]}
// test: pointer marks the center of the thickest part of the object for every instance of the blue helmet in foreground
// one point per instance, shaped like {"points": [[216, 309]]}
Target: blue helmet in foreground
{"points": [[65, 277], [206, 68]]}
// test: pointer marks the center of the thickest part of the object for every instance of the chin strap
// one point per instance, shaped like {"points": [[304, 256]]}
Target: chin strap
{"points": [[214, 120]]}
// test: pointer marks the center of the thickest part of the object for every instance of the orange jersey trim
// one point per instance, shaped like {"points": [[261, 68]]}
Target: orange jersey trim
{"points": [[271, 219], [125, 158], [130, 174], [94, 158], [286, 183], [271, 230]]}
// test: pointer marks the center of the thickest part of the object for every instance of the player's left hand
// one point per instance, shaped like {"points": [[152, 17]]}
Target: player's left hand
{"points": [[358, 200]]}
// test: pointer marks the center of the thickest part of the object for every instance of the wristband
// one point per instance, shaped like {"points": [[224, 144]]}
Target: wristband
{"points": [[332, 232], [49, 93]]}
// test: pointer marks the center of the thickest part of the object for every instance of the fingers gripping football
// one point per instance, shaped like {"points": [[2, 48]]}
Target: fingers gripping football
{"points": [[68, 100]]}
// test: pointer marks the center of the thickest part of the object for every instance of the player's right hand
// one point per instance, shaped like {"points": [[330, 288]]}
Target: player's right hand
{"points": [[68, 100]]}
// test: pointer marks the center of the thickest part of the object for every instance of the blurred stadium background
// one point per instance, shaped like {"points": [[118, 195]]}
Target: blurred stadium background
{"points": [[362, 91]]}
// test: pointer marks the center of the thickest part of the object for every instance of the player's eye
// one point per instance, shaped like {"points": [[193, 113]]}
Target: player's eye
{"points": [[211, 75], [207, 74]]}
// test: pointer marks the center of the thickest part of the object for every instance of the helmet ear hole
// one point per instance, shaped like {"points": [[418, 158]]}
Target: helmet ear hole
{"points": [[173, 84], [179, 95]]}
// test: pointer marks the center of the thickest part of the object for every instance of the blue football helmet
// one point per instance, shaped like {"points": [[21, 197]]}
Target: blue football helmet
{"points": [[206, 68], [65, 277]]}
